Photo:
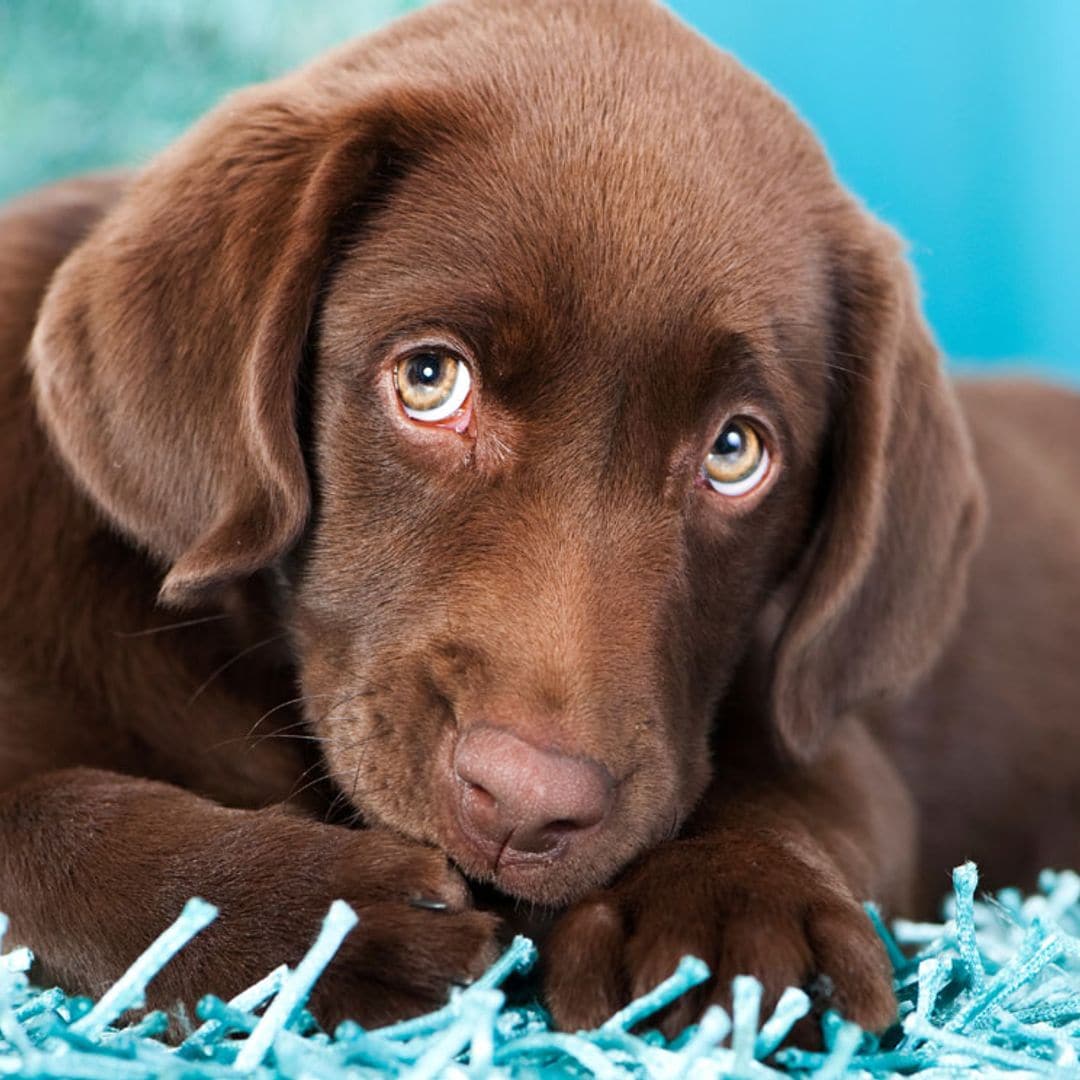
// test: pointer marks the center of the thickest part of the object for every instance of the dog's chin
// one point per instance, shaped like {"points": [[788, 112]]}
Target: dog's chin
{"points": [[547, 885]]}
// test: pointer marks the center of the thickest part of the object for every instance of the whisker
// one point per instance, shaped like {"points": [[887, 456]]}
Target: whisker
{"points": [[340, 800], [344, 741], [229, 663], [232, 740], [171, 626], [356, 779], [299, 722], [291, 735], [284, 705], [322, 778], [294, 791]]}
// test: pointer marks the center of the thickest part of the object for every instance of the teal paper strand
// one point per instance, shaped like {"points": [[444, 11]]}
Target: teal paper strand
{"points": [[993, 992], [690, 973], [129, 991], [297, 986]]}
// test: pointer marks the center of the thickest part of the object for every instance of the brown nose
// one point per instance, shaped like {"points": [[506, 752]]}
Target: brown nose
{"points": [[517, 797]]}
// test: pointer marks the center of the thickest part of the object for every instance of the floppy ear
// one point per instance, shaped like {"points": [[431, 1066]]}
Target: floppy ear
{"points": [[167, 351], [885, 577]]}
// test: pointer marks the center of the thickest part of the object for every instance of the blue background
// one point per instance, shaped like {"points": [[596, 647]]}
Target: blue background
{"points": [[957, 121]]}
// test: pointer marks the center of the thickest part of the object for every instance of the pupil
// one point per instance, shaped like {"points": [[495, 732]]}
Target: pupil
{"points": [[425, 370], [731, 443]]}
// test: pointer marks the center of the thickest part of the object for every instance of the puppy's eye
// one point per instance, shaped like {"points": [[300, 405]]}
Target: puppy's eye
{"points": [[432, 384], [738, 460]]}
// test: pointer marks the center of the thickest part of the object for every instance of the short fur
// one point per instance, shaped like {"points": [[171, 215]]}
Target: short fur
{"points": [[246, 603]]}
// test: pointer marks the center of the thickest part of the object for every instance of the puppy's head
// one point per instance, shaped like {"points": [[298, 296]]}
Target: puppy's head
{"points": [[539, 352]]}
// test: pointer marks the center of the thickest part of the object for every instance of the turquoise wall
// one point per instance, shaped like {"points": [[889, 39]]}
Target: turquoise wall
{"points": [[957, 121], [92, 83]]}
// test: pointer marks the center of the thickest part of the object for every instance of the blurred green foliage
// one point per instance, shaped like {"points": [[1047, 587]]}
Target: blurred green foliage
{"points": [[92, 83]]}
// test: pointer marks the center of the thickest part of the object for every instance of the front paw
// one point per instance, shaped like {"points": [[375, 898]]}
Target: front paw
{"points": [[417, 936], [273, 879], [745, 908]]}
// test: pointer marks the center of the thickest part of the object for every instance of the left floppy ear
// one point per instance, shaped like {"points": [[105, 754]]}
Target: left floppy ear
{"points": [[167, 352], [885, 577]]}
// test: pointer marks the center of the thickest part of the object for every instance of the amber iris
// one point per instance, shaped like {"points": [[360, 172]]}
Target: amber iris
{"points": [[736, 456], [426, 380]]}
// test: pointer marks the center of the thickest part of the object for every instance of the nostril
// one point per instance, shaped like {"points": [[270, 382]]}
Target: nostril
{"points": [[481, 795], [540, 841], [564, 825]]}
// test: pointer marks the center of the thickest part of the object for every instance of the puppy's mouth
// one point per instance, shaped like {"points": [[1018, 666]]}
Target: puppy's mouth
{"points": [[549, 880], [541, 876]]}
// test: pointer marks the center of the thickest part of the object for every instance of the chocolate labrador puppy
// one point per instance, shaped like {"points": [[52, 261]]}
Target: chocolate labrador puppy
{"points": [[502, 454]]}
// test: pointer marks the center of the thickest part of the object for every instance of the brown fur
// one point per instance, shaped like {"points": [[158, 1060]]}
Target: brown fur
{"points": [[247, 603]]}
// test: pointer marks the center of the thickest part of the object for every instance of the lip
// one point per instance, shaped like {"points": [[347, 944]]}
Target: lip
{"points": [[527, 879]]}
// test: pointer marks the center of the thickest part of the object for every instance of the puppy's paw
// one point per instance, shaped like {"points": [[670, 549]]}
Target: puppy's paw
{"points": [[401, 961], [745, 909], [417, 936], [274, 877]]}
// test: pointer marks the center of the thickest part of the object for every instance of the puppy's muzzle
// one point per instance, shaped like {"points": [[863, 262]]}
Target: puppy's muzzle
{"points": [[519, 802]]}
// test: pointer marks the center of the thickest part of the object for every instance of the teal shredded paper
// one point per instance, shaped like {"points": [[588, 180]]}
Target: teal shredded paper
{"points": [[992, 991]]}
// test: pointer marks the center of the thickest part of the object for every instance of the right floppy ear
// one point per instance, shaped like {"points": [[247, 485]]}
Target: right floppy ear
{"points": [[167, 351], [883, 580]]}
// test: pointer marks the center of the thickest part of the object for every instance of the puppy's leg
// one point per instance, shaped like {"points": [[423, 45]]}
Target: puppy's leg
{"points": [[94, 865], [768, 880]]}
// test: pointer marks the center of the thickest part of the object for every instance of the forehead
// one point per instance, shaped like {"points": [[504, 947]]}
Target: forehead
{"points": [[659, 219]]}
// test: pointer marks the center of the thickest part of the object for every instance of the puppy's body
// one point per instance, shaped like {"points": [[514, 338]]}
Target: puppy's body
{"points": [[991, 742], [828, 710]]}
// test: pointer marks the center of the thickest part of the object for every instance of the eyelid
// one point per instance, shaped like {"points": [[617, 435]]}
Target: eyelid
{"points": [[399, 346]]}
